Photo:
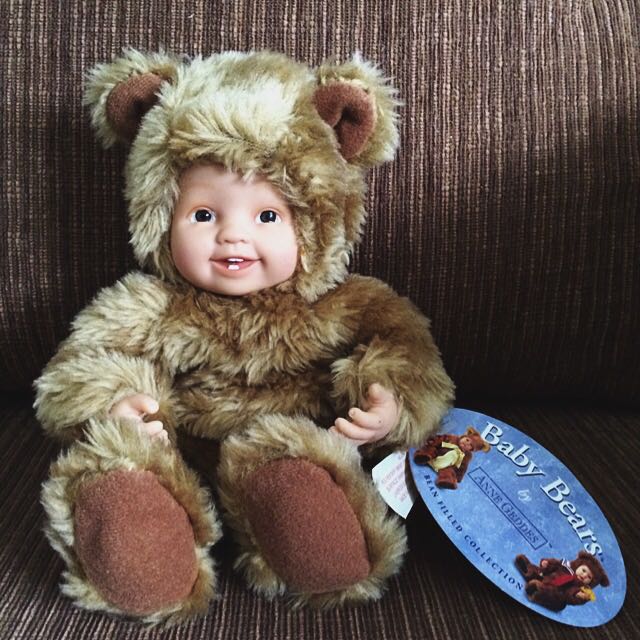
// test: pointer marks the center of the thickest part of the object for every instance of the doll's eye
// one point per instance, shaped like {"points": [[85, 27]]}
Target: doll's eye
{"points": [[202, 215], [268, 215]]}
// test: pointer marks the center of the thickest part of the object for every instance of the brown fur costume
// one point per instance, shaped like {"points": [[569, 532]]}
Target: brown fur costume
{"points": [[554, 586], [449, 477], [261, 373]]}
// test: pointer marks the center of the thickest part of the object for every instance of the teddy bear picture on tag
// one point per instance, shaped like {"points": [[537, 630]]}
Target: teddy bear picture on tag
{"points": [[449, 455], [555, 583]]}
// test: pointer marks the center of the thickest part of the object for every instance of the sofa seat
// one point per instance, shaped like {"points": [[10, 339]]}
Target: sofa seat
{"points": [[438, 594]]}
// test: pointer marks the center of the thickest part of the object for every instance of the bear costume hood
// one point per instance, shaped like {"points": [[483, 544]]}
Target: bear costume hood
{"points": [[600, 576], [476, 439], [310, 132]]}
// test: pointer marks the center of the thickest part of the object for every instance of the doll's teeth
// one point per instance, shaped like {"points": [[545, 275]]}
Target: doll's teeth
{"points": [[232, 266]]}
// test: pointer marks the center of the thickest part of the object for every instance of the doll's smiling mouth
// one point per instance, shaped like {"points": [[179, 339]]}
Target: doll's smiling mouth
{"points": [[233, 264]]}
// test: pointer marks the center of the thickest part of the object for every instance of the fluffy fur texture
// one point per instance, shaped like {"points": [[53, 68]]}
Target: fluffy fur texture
{"points": [[113, 444], [254, 113], [264, 373], [278, 436]]}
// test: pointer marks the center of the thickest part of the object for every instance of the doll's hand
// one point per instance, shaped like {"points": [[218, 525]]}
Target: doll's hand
{"points": [[544, 564], [380, 416], [137, 407], [582, 595]]}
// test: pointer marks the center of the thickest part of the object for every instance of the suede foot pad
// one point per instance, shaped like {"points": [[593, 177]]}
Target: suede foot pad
{"points": [[305, 527], [134, 541]]}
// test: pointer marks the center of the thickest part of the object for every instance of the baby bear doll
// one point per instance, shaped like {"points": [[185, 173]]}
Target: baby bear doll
{"points": [[449, 455], [244, 183], [556, 583]]}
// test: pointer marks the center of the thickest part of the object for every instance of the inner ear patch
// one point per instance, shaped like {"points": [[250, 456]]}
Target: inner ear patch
{"points": [[129, 101], [351, 111]]}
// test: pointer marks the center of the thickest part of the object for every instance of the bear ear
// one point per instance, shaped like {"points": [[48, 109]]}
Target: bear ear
{"points": [[351, 112], [358, 103], [119, 93]]}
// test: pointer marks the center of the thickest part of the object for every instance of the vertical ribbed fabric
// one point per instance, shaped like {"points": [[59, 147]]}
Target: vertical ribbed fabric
{"points": [[437, 595], [510, 216]]}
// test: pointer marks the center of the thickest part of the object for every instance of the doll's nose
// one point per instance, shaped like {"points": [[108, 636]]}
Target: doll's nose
{"points": [[233, 231]]}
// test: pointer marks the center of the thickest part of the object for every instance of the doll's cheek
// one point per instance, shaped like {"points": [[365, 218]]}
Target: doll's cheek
{"points": [[287, 263]]}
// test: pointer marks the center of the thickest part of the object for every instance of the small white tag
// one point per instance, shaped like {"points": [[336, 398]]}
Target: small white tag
{"points": [[391, 477]]}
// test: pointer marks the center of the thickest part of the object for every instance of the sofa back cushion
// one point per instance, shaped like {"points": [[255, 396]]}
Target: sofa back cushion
{"points": [[510, 215]]}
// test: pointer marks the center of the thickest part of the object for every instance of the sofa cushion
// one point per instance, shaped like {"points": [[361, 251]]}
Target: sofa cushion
{"points": [[510, 216]]}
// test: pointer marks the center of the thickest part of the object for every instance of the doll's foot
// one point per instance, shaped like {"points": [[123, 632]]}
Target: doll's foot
{"points": [[133, 526], [305, 527], [532, 587], [309, 522], [134, 542], [447, 479], [525, 567]]}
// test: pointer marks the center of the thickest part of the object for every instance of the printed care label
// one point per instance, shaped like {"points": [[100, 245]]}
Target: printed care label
{"points": [[521, 517], [393, 480]]}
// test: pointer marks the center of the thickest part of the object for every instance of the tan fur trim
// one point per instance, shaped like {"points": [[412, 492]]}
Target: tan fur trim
{"points": [[117, 444], [382, 144], [277, 436], [107, 356], [397, 351]]}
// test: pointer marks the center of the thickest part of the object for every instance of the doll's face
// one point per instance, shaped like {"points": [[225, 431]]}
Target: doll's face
{"points": [[229, 235], [583, 573], [465, 444]]}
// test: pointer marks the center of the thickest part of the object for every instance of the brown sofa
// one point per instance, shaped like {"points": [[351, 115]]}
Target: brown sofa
{"points": [[511, 217]]}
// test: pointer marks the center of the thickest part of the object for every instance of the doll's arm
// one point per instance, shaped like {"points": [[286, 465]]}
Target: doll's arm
{"points": [[112, 353], [577, 595], [394, 348], [549, 565], [428, 451]]}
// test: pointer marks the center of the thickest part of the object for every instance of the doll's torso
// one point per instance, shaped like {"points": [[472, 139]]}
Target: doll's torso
{"points": [[233, 358]]}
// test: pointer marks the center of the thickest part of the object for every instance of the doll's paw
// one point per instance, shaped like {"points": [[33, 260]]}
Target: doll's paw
{"points": [[134, 541], [306, 529], [532, 587], [446, 483], [522, 563]]}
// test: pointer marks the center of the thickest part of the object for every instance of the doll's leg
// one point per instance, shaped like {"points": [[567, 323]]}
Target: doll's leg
{"points": [[132, 524], [546, 596], [308, 520], [532, 587], [526, 568], [447, 478]]}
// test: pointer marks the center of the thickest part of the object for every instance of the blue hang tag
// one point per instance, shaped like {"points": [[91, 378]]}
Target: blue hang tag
{"points": [[521, 517]]}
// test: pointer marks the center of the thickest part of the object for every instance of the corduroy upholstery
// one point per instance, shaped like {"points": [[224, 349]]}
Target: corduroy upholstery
{"points": [[510, 216]]}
